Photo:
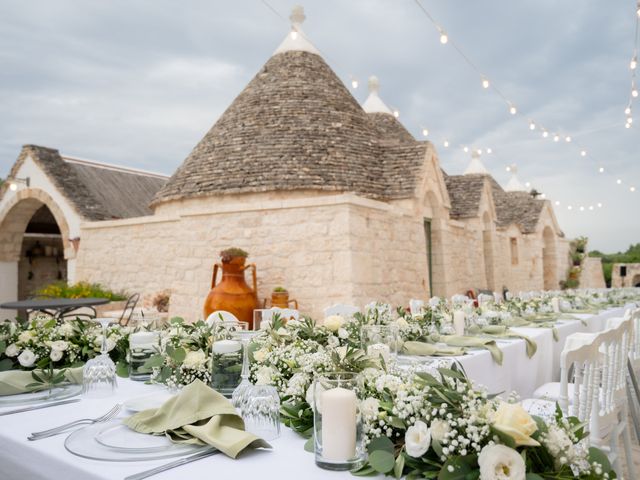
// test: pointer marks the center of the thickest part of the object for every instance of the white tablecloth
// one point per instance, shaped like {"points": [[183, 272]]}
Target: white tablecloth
{"points": [[48, 458]]}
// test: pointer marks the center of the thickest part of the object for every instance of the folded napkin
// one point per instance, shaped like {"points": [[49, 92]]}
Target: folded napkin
{"points": [[13, 382], [198, 415], [474, 342], [534, 323], [430, 349], [502, 331]]}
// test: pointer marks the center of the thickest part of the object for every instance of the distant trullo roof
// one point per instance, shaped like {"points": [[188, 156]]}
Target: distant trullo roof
{"points": [[295, 126]]}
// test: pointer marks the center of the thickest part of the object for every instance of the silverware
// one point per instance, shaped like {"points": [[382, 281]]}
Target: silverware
{"points": [[37, 407], [168, 466], [83, 421]]}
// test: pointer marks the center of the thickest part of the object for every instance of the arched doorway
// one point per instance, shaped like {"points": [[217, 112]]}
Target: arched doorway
{"points": [[636, 281], [487, 248], [549, 260], [34, 243]]}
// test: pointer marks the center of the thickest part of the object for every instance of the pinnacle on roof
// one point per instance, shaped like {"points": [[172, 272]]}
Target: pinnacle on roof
{"points": [[296, 40], [476, 166], [514, 184], [373, 103]]}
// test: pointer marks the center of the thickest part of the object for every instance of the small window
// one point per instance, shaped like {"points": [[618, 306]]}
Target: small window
{"points": [[514, 251]]}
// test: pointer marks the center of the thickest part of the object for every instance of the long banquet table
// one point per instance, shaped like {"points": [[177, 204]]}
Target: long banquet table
{"points": [[48, 458]]}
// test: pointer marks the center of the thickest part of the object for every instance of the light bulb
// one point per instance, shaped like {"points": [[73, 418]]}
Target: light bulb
{"points": [[532, 125], [634, 92], [567, 139], [557, 203], [633, 63], [627, 125], [545, 134], [479, 151], [354, 83], [396, 113], [444, 38], [599, 205], [601, 169], [294, 35], [466, 149], [583, 153], [489, 150], [569, 207], [543, 196], [446, 143], [590, 207], [581, 208], [485, 82], [556, 138], [629, 119], [527, 184], [512, 109], [627, 111], [619, 181], [508, 169], [13, 186], [425, 132], [632, 189]]}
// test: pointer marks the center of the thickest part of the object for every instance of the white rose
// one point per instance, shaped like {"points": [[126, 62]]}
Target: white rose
{"points": [[264, 375], [25, 336], [439, 429], [342, 333], [260, 355], [59, 345], [401, 323], [66, 329], [513, 420], [194, 359], [499, 462], [370, 407], [27, 358], [111, 343], [333, 322], [417, 439], [282, 332], [56, 355], [12, 350]]}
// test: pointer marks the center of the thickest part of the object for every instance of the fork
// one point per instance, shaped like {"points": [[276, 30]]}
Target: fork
{"points": [[83, 421]]}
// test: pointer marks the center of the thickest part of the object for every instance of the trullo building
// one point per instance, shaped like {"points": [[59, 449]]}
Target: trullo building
{"points": [[336, 201]]}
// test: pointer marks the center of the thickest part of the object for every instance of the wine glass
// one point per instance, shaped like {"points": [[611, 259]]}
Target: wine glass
{"points": [[240, 394], [99, 373]]}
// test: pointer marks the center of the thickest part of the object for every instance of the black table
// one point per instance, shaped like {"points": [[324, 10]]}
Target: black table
{"points": [[56, 307]]}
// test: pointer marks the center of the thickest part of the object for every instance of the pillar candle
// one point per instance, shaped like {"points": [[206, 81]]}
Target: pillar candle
{"points": [[338, 424], [555, 304], [379, 350], [458, 322], [226, 346]]}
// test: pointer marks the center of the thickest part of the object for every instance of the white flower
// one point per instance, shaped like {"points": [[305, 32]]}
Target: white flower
{"points": [[434, 302], [56, 355], [12, 350], [309, 395], [417, 439], [59, 345], [513, 420], [401, 323], [282, 332], [194, 359], [111, 344], [439, 429], [25, 336], [499, 462], [333, 322], [342, 333], [66, 329], [27, 358], [264, 375], [370, 407], [260, 355]]}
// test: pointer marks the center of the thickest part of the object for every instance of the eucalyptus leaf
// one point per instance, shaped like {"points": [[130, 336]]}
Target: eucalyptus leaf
{"points": [[122, 369], [179, 354], [154, 362], [380, 443], [382, 461], [3, 346], [5, 364], [309, 445], [399, 466]]}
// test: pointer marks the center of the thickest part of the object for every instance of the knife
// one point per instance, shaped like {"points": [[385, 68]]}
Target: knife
{"points": [[37, 407], [169, 466]]}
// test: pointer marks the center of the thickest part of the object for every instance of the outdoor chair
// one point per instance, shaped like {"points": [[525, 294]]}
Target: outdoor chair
{"points": [[129, 307]]}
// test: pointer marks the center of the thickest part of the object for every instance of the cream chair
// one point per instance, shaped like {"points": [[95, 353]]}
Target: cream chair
{"points": [[221, 315]]}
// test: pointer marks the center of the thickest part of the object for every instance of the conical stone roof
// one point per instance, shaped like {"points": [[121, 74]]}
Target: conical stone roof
{"points": [[295, 126]]}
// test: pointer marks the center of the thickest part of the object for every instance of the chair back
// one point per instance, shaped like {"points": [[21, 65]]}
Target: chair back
{"points": [[132, 301], [634, 353], [580, 361], [613, 345], [220, 316], [342, 309]]}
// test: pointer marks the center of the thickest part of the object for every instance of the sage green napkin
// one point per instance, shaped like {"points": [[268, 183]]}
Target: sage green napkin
{"points": [[534, 323], [13, 382], [474, 342], [198, 415], [430, 349], [502, 331]]}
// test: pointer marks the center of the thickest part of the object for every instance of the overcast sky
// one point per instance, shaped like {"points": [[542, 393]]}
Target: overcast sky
{"points": [[138, 83]]}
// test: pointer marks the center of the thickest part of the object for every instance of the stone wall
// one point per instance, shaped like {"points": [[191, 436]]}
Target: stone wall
{"points": [[592, 275], [630, 280]]}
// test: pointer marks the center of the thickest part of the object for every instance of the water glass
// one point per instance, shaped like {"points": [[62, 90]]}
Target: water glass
{"points": [[337, 421], [262, 411], [380, 342], [142, 346]]}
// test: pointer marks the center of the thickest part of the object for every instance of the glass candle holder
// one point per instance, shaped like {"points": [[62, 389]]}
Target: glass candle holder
{"points": [[337, 421], [380, 342], [227, 353], [142, 346]]}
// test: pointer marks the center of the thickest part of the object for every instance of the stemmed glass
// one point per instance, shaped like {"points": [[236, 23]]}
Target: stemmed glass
{"points": [[99, 373], [239, 399]]}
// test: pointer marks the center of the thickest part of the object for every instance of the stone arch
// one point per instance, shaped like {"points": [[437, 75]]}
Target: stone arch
{"points": [[16, 215], [487, 250], [636, 281], [549, 259]]}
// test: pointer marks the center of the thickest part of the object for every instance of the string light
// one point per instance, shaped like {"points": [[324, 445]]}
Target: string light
{"points": [[294, 35], [599, 205], [556, 137], [627, 125], [627, 111], [567, 139], [466, 149], [634, 90], [590, 207], [557, 203], [508, 169], [583, 153], [479, 151], [425, 132], [569, 207], [446, 144], [396, 113], [632, 189], [601, 169], [527, 184], [619, 181], [630, 120], [444, 38], [581, 208], [512, 109], [545, 134], [633, 63], [485, 82], [354, 82], [489, 151], [532, 125]]}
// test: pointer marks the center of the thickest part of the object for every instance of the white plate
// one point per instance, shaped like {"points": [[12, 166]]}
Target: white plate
{"points": [[146, 402], [127, 445], [45, 396]]}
